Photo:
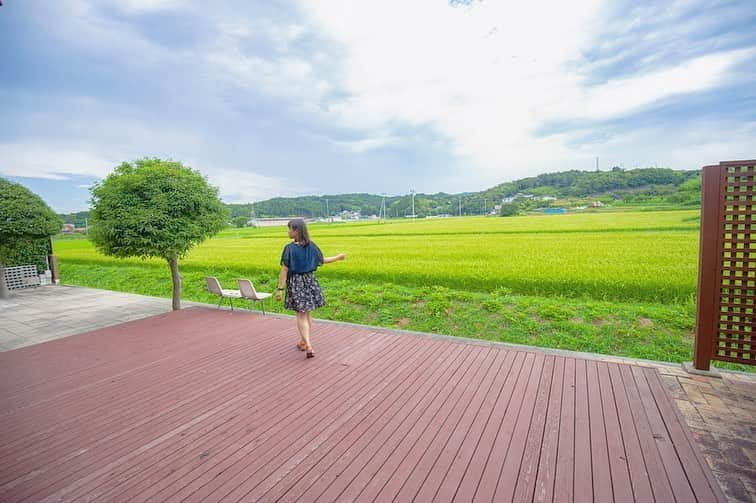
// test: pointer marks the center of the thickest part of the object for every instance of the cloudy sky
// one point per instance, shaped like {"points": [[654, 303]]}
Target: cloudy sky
{"points": [[275, 98]]}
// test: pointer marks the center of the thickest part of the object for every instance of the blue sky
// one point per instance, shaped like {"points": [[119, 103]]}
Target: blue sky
{"points": [[284, 98]]}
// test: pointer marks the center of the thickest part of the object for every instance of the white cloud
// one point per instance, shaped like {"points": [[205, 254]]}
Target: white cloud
{"points": [[51, 161], [280, 75], [487, 76], [621, 96], [144, 5], [367, 144], [691, 148], [266, 82], [246, 186]]}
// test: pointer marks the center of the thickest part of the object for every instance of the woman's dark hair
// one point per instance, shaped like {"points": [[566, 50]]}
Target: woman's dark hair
{"points": [[298, 225]]}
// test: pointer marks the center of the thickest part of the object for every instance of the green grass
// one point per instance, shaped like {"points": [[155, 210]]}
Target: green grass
{"points": [[615, 283]]}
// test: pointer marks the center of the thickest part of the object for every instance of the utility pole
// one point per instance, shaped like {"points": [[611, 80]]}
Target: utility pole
{"points": [[412, 191], [597, 165], [460, 206], [328, 215]]}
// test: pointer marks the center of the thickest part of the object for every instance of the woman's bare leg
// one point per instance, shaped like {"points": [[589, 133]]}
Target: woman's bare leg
{"points": [[304, 328]]}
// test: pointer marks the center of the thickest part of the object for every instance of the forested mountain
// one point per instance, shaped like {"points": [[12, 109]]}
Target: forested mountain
{"points": [[649, 186], [637, 186], [579, 184]]}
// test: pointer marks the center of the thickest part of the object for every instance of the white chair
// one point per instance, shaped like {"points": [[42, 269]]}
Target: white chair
{"points": [[248, 292], [214, 287]]}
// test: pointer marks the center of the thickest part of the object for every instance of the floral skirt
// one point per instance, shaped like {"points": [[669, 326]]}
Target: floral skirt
{"points": [[303, 292]]}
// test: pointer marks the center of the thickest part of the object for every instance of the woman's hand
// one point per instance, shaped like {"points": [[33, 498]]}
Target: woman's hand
{"points": [[278, 295], [335, 258]]}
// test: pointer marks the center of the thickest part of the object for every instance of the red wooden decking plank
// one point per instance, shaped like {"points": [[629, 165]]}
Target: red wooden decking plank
{"points": [[45, 389], [583, 477], [463, 458], [330, 462], [562, 487], [660, 486], [517, 475], [334, 443], [298, 481], [124, 412], [423, 432], [30, 365], [413, 425], [618, 466], [601, 474], [57, 416], [208, 405], [276, 416], [419, 460], [492, 446], [545, 473], [114, 446], [329, 486], [670, 463], [108, 356], [248, 473], [262, 363], [192, 441], [633, 451], [105, 369], [431, 470]]}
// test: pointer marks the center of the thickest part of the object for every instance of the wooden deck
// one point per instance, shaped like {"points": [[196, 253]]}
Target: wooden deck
{"points": [[213, 405]]}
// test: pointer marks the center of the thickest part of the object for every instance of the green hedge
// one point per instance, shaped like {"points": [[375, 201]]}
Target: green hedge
{"points": [[27, 252]]}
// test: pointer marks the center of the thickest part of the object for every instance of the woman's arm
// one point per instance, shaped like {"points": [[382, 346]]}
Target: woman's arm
{"points": [[281, 281], [335, 258]]}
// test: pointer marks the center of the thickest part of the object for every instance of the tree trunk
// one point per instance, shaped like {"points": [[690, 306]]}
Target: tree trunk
{"points": [[173, 263], [4, 292]]}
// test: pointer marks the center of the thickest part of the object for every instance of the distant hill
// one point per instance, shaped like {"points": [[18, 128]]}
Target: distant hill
{"points": [[648, 186]]}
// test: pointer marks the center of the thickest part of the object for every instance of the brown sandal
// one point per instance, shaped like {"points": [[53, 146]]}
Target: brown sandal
{"points": [[309, 353], [300, 347]]}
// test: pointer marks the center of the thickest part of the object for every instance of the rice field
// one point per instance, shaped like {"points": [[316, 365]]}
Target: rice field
{"points": [[616, 283], [640, 256]]}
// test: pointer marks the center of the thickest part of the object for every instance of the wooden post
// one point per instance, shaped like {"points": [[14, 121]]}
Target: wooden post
{"points": [[708, 257], [53, 264]]}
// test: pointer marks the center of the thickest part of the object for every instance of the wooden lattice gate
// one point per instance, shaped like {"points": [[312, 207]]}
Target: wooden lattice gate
{"points": [[725, 327]]}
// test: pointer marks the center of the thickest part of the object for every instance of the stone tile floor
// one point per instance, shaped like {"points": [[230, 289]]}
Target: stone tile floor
{"points": [[721, 414]]}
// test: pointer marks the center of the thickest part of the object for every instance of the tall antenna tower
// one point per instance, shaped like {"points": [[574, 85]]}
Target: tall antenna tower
{"points": [[412, 191]]}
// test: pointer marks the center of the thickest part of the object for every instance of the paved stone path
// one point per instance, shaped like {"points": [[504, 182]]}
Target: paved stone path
{"points": [[35, 315]]}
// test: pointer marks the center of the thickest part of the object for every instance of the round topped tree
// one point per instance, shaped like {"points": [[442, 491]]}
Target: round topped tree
{"points": [[155, 208]]}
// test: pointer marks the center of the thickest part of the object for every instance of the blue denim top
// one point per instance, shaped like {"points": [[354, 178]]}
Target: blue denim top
{"points": [[301, 259]]}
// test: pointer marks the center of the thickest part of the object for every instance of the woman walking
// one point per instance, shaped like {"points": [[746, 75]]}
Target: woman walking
{"points": [[299, 260]]}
